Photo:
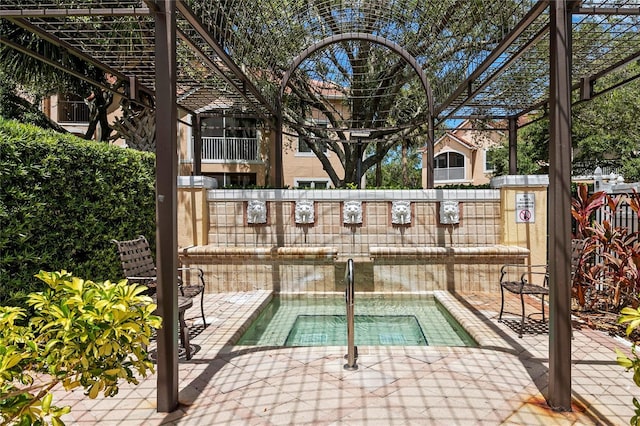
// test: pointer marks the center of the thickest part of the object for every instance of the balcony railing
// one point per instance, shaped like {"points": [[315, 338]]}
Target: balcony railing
{"points": [[451, 173], [230, 149], [73, 112]]}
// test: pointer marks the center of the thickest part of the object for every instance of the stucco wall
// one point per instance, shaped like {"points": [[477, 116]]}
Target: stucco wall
{"points": [[298, 165]]}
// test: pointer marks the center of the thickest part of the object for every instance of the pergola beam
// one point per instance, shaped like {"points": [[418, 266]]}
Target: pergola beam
{"points": [[43, 34], [246, 84], [544, 104], [607, 11], [615, 86], [472, 93], [506, 42], [185, 39], [613, 67], [57, 13]]}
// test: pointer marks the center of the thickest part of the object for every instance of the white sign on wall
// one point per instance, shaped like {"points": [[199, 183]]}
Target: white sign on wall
{"points": [[525, 207]]}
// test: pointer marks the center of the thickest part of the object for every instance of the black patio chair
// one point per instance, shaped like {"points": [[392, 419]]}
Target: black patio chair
{"points": [[533, 280], [138, 266]]}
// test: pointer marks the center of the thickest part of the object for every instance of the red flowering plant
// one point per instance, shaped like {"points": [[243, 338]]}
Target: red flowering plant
{"points": [[606, 276]]}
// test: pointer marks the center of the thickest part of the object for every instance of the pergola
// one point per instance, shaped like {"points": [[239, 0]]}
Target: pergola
{"points": [[485, 59]]}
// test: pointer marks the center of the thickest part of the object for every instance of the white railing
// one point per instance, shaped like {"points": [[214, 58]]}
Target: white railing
{"points": [[451, 173], [230, 149]]}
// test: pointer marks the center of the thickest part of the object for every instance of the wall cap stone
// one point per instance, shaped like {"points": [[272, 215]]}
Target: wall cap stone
{"points": [[212, 250], [431, 252], [519, 180], [338, 195], [197, 182], [215, 251]]}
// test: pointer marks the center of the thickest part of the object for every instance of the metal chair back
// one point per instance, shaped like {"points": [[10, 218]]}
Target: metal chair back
{"points": [[137, 261]]}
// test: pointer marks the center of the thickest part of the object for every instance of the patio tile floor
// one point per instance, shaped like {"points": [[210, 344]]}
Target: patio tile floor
{"points": [[503, 382]]}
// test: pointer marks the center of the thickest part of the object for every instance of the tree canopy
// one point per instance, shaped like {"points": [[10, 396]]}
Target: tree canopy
{"points": [[350, 66], [36, 79], [362, 86], [605, 132]]}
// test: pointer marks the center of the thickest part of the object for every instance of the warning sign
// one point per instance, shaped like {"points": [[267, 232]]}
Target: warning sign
{"points": [[525, 206]]}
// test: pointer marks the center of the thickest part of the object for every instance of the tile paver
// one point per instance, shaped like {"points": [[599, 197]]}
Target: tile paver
{"points": [[502, 382]]}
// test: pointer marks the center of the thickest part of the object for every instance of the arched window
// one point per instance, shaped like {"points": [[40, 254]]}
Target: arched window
{"points": [[449, 166]]}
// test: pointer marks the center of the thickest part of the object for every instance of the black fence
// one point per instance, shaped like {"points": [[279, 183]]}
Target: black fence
{"points": [[73, 112]]}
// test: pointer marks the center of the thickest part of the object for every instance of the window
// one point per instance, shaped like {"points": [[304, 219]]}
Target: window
{"points": [[489, 160], [229, 127], [449, 166], [230, 139], [311, 183], [237, 180], [303, 146], [241, 127]]}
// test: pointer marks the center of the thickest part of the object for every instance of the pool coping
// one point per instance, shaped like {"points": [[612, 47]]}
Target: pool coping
{"points": [[476, 326]]}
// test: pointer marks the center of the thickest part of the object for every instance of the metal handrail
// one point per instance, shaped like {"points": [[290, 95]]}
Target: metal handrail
{"points": [[349, 282]]}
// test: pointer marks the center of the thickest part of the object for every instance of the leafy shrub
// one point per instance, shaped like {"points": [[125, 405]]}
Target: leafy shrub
{"points": [[62, 199], [610, 279], [631, 317], [464, 186], [82, 333]]}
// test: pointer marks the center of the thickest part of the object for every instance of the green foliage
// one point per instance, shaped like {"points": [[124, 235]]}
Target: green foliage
{"points": [[532, 151], [351, 185], [82, 333], [62, 200], [36, 76], [607, 126], [398, 172], [614, 280], [631, 317], [604, 129], [631, 167], [464, 186], [15, 107]]}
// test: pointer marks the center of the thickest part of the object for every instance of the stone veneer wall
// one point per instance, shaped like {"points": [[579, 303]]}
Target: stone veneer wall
{"points": [[460, 269], [288, 257], [479, 222], [286, 270]]}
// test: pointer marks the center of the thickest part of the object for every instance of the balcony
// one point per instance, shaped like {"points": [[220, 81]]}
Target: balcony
{"points": [[73, 112], [230, 149], [450, 173]]}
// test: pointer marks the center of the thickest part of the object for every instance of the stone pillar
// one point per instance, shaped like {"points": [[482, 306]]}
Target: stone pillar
{"points": [[523, 213], [193, 210]]}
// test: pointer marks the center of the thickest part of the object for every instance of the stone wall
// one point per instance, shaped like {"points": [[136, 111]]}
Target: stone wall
{"points": [[479, 220], [256, 240]]}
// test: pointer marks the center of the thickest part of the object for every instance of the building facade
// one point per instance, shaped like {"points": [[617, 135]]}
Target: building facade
{"points": [[463, 155]]}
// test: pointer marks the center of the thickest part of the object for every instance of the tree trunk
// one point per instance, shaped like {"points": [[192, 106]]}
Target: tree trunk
{"points": [[378, 170], [405, 175]]}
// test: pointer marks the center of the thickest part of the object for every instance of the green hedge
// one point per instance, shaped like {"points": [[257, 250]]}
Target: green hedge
{"points": [[62, 199]]}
